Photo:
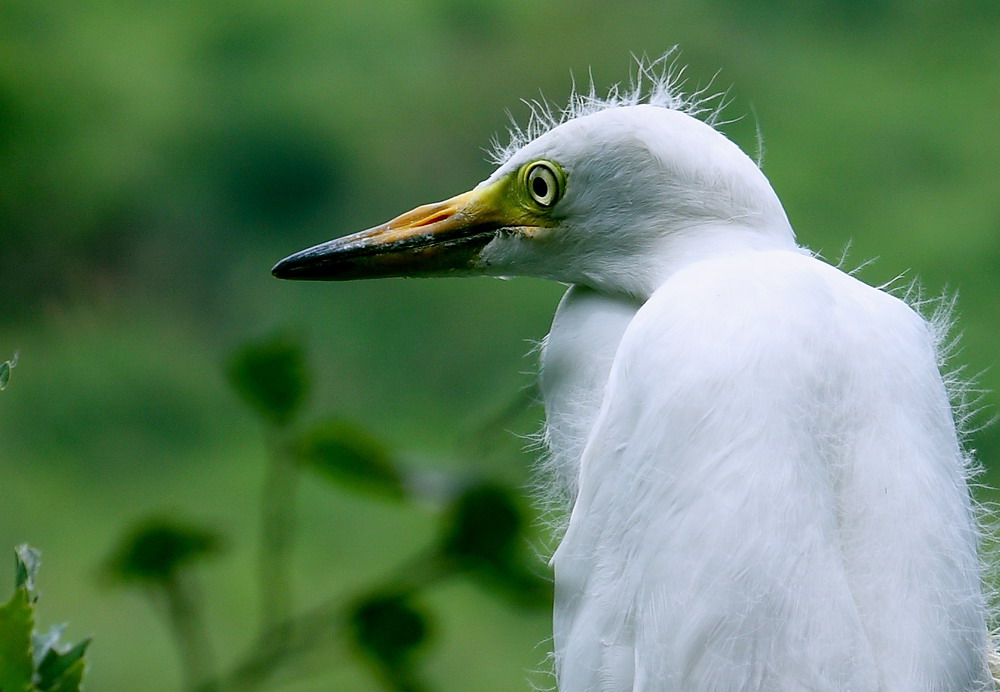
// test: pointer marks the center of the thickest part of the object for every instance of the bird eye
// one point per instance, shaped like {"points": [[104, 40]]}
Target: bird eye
{"points": [[544, 184]]}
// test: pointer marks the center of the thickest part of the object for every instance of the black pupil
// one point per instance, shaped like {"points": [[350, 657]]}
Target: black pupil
{"points": [[540, 187]]}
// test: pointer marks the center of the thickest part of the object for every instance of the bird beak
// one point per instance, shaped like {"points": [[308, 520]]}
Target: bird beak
{"points": [[431, 240]]}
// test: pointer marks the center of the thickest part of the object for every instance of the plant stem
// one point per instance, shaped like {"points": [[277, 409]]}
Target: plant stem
{"points": [[326, 622], [184, 612], [276, 534]]}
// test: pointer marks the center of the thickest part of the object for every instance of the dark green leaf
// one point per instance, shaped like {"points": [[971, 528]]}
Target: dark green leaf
{"points": [[156, 549], [483, 527], [17, 618], [70, 680], [388, 628], [345, 454], [483, 534], [271, 377], [56, 664]]}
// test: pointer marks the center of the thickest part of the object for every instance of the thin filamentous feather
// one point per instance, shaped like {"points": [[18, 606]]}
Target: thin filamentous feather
{"points": [[657, 82], [968, 412]]}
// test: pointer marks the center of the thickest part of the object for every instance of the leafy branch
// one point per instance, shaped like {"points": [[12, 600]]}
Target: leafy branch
{"points": [[481, 537]]}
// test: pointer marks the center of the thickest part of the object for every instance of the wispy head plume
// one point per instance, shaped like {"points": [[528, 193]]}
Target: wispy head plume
{"points": [[659, 82]]}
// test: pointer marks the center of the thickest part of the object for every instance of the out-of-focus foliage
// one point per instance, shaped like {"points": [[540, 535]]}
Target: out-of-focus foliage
{"points": [[156, 159], [31, 661], [388, 629], [5, 368], [271, 378], [346, 454], [157, 549], [484, 532]]}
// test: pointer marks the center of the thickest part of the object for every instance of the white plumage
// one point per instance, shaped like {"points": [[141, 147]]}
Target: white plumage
{"points": [[771, 496], [768, 490]]}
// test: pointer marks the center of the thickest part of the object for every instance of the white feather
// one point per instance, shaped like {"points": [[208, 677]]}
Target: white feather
{"points": [[772, 497], [576, 361]]}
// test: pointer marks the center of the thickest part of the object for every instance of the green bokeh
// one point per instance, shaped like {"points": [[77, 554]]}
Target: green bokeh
{"points": [[157, 158]]}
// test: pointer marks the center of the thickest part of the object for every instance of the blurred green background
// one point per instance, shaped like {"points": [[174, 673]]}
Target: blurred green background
{"points": [[157, 158]]}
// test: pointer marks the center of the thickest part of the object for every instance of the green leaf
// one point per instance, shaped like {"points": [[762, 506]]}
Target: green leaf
{"points": [[388, 628], [348, 455], [57, 662], [29, 661], [271, 378], [17, 618], [484, 534], [156, 549], [483, 527], [70, 680]]}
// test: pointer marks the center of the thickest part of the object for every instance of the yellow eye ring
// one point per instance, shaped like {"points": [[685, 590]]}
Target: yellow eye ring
{"points": [[544, 183]]}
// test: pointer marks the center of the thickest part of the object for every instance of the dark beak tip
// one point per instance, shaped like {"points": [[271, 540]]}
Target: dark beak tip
{"points": [[293, 267], [312, 264], [282, 270]]}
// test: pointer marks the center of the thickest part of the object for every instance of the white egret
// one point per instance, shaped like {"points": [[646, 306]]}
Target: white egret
{"points": [[768, 490]]}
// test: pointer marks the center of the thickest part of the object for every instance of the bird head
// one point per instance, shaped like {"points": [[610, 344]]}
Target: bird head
{"points": [[614, 199]]}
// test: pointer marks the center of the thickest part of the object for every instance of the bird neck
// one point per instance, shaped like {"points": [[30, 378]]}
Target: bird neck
{"points": [[638, 276]]}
